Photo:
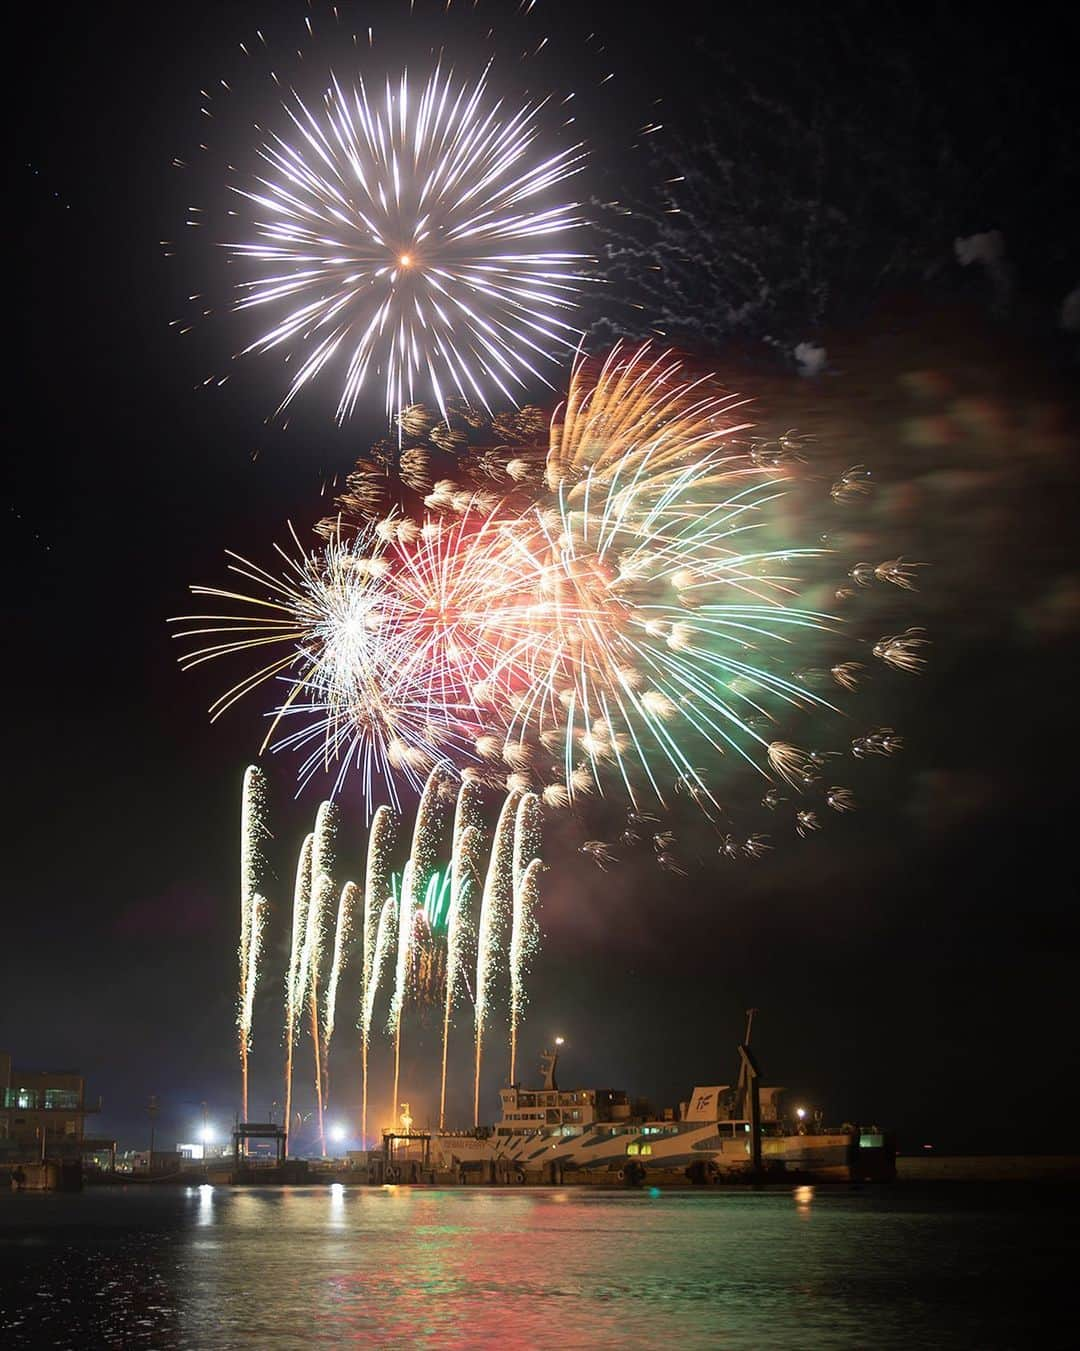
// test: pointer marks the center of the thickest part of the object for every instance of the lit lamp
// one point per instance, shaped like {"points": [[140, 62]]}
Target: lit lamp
{"points": [[337, 1133]]}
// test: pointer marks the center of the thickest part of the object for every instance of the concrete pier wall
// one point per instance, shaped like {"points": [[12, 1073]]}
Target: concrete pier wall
{"points": [[988, 1167]]}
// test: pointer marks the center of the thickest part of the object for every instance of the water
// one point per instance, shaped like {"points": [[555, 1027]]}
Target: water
{"points": [[269, 1268]]}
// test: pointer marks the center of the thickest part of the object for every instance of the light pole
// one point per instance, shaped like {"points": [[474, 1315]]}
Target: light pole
{"points": [[152, 1111]]}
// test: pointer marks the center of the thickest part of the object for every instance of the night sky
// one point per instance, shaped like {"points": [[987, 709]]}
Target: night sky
{"points": [[913, 965]]}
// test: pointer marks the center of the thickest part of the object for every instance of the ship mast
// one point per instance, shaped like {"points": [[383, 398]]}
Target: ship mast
{"points": [[750, 1094]]}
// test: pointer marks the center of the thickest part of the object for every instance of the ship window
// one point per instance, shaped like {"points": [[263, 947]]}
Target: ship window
{"points": [[631, 1149], [646, 1149], [61, 1097], [871, 1141]]}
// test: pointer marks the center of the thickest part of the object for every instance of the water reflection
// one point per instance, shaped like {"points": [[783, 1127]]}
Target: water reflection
{"points": [[206, 1205], [337, 1205], [506, 1268]]}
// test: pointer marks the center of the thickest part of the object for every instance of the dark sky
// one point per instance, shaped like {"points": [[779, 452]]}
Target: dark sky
{"points": [[915, 966]]}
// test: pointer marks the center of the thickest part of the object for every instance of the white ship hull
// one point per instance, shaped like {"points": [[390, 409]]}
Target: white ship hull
{"points": [[596, 1135], [713, 1152]]}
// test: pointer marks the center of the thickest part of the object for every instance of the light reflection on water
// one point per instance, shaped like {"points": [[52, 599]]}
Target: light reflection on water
{"points": [[275, 1268]]}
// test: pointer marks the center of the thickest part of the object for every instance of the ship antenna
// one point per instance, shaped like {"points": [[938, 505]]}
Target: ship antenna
{"points": [[749, 1025]]}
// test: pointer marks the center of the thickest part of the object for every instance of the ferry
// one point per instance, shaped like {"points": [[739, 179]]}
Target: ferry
{"points": [[721, 1133]]}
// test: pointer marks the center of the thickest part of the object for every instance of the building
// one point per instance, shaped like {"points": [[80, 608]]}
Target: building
{"points": [[42, 1112]]}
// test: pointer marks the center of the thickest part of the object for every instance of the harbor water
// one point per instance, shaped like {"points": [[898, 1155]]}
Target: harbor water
{"points": [[939, 1266]]}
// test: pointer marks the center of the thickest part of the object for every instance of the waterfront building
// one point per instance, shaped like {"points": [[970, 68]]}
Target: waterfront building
{"points": [[43, 1114]]}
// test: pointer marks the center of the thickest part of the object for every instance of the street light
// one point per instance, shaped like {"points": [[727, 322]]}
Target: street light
{"points": [[337, 1133], [152, 1110]]}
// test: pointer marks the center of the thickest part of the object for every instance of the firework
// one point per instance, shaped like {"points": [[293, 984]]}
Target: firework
{"points": [[436, 903], [407, 233], [295, 977], [256, 921], [496, 898], [459, 919], [628, 614], [342, 654], [322, 891], [523, 939], [376, 893], [368, 663], [384, 941], [342, 933], [464, 863], [252, 909], [405, 915], [420, 863], [525, 877]]}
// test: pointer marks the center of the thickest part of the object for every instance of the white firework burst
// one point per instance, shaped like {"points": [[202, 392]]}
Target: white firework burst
{"points": [[404, 238]]}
